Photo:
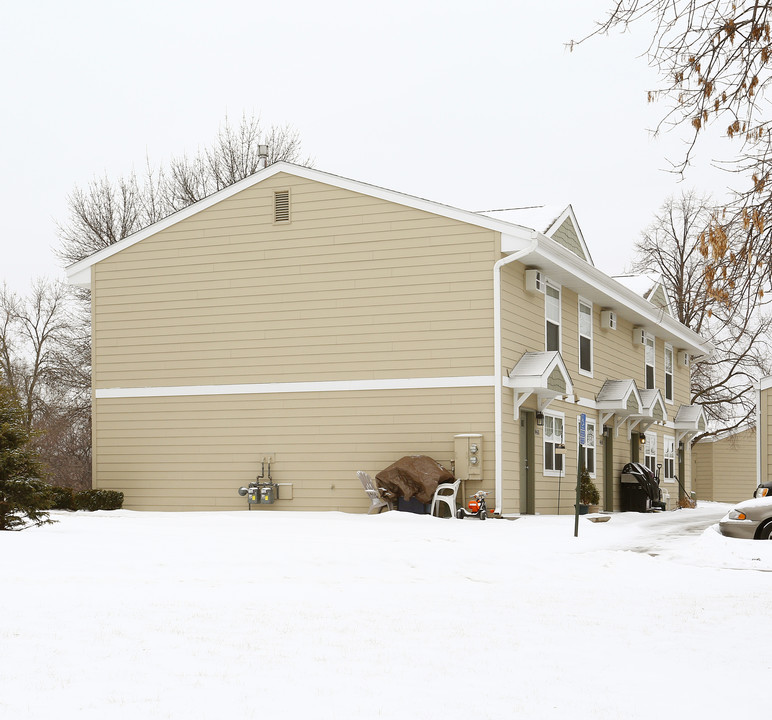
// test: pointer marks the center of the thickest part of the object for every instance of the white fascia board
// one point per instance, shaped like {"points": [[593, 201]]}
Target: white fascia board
{"points": [[599, 287], [520, 235], [765, 383], [569, 213]]}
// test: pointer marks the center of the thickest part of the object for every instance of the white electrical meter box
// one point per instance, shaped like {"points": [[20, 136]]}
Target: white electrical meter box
{"points": [[469, 456]]}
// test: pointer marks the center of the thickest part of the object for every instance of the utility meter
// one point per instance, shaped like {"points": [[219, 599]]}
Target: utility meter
{"points": [[469, 461]]}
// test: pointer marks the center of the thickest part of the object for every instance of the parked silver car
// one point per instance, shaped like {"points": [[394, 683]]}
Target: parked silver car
{"points": [[749, 520]]}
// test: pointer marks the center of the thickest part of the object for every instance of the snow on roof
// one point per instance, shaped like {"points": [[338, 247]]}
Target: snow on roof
{"points": [[615, 390], [535, 217], [640, 284], [533, 364]]}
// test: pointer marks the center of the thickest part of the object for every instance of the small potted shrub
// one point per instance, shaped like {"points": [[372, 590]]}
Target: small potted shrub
{"points": [[589, 497]]}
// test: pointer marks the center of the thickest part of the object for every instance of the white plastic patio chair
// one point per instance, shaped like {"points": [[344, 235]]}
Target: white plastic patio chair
{"points": [[376, 501], [446, 493]]}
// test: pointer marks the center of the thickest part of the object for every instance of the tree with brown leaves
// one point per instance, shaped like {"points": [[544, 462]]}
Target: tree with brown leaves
{"points": [[673, 247], [714, 59]]}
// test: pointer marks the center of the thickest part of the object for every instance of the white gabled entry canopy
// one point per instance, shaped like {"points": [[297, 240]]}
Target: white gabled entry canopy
{"points": [[619, 399], [542, 374], [652, 410], [689, 420]]}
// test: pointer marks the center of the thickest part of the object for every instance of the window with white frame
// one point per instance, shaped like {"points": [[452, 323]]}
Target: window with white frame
{"points": [[588, 449], [650, 452], [552, 317], [553, 436], [669, 373], [649, 360], [668, 463], [585, 337]]}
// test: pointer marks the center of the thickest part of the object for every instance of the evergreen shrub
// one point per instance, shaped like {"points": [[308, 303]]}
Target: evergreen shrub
{"points": [[62, 498], [93, 500]]}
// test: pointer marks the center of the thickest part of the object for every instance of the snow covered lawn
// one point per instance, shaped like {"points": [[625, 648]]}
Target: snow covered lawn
{"points": [[329, 615]]}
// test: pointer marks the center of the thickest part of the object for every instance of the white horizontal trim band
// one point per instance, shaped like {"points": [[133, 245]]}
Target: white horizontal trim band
{"points": [[299, 387]]}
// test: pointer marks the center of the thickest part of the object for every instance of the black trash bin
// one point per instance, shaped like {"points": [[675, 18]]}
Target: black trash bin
{"points": [[633, 497], [640, 489]]}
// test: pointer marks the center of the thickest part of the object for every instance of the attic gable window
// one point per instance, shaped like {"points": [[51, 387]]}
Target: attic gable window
{"points": [[281, 206]]}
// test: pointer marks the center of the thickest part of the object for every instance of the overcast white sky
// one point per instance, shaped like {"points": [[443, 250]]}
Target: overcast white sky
{"points": [[473, 104]]}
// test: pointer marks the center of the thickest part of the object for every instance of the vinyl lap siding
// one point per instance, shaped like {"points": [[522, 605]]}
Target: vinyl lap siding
{"points": [[726, 469], [195, 452], [614, 357], [352, 288]]}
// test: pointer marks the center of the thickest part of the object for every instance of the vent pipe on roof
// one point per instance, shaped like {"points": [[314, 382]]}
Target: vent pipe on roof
{"points": [[262, 157]]}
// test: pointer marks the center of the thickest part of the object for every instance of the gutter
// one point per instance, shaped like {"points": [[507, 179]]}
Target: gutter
{"points": [[498, 381]]}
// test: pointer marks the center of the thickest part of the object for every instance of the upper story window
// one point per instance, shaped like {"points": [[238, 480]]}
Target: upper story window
{"points": [[669, 373], [668, 463], [585, 337], [649, 360], [588, 449], [552, 317], [650, 452], [553, 436]]}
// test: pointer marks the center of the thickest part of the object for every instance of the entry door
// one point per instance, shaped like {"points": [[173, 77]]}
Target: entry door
{"points": [[608, 471], [635, 447], [527, 463]]}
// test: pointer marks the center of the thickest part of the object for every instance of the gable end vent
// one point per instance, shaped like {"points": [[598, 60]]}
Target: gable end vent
{"points": [[281, 206]]}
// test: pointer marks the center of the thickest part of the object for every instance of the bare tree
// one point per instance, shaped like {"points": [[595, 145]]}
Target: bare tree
{"points": [[107, 211], [45, 360], [32, 328], [714, 59], [673, 246]]}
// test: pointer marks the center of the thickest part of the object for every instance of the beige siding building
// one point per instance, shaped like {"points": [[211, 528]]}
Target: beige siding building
{"points": [[330, 326], [724, 466]]}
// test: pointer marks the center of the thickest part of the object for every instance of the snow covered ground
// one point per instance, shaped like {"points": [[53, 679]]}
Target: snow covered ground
{"points": [[328, 615]]}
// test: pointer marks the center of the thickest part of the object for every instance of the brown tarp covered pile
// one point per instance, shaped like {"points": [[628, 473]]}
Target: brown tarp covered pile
{"points": [[413, 476]]}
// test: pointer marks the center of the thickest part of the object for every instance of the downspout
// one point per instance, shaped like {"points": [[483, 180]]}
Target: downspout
{"points": [[498, 380], [758, 433]]}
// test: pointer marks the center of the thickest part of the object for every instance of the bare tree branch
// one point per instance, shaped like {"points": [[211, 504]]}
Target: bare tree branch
{"points": [[737, 327]]}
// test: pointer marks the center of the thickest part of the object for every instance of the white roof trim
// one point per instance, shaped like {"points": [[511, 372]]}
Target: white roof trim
{"points": [[725, 434], [513, 238], [654, 398], [534, 372], [619, 402], [569, 213], [595, 285], [77, 271]]}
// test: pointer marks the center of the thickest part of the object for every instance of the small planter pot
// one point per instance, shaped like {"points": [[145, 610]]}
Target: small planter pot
{"points": [[593, 509], [583, 509]]}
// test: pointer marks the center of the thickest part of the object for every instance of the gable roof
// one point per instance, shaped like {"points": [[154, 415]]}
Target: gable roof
{"points": [[559, 263], [650, 288], [78, 273], [555, 221]]}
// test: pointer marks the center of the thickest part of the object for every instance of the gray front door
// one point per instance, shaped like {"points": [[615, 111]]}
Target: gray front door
{"points": [[527, 463], [608, 471]]}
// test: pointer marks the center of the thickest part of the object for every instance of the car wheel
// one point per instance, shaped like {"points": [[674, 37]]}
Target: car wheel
{"points": [[765, 531]]}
